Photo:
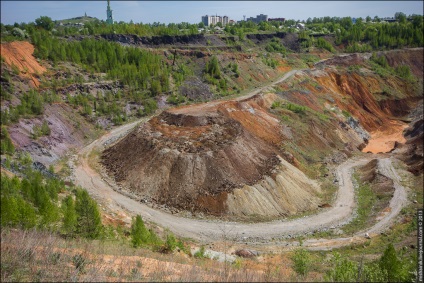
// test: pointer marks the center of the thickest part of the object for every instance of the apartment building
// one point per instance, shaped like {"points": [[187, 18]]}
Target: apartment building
{"points": [[213, 20]]}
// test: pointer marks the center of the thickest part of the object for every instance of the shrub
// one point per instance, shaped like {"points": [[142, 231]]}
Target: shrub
{"points": [[170, 243], [276, 104], [79, 262], [380, 60], [200, 253], [212, 68], [301, 262], [295, 108], [150, 105], [403, 71], [322, 43], [45, 129], [343, 270]]}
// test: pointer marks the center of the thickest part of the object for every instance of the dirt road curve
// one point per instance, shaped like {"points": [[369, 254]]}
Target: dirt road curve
{"points": [[207, 230]]}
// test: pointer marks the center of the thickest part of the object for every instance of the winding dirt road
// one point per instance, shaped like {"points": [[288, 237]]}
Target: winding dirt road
{"points": [[102, 188]]}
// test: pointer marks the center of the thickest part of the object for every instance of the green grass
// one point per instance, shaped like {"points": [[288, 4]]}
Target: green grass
{"points": [[365, 199]]}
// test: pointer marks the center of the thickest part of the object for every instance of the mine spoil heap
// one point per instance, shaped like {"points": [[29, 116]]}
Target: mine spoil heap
{"points": [[219, 158]]}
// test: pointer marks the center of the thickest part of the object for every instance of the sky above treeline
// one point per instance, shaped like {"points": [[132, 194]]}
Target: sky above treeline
{"points": [[192, 11]]}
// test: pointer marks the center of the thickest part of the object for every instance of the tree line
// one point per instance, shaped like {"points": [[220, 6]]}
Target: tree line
{"points": [[135, 67], [33, 202]]}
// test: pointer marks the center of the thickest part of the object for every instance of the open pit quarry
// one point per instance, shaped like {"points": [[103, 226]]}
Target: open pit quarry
{"points": [[245, 159], [229, 158]]}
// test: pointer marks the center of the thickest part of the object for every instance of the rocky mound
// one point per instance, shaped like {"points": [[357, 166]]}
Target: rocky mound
{"points": [[220, 158]]}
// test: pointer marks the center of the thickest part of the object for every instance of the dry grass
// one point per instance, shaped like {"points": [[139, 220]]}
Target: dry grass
{"points": [[36, 256]]}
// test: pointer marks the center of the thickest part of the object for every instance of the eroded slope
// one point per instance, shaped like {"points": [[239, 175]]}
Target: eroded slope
{"points": [[18, 54], [218, 158]]}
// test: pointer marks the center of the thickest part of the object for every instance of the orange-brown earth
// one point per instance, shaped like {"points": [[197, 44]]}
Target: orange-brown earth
{"points": [[19, 54], [224, 158], [379, 103], [385, 140]]}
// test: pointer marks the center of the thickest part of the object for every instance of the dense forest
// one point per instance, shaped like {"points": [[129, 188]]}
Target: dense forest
{"points": [[355, 35]]}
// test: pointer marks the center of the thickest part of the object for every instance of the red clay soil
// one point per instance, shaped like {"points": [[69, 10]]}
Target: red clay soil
{"points": [[386, 139], [377, 116], [19, 54]]}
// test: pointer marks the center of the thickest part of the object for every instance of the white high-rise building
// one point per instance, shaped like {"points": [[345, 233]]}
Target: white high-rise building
{"points": [[208, 20]]}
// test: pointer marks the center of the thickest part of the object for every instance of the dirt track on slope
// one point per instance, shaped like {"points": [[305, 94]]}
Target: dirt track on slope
{"points": [[205, 231], [104, 190]]}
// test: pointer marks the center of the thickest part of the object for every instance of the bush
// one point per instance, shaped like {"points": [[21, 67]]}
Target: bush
{"points": [[342, 270], [212, 68], [403, 71], [45, 129], [276, 104], [380, 60], [150, 105], [322, 43], [69, 222], [390, 263], [170, 243], [295, 108], [301, 262], [79, 262], [200, 253], [44, 22]]}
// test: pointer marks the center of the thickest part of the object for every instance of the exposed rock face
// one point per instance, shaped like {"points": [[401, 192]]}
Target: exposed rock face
{"points": [[412, 151], [220, 158], [155, 40]]}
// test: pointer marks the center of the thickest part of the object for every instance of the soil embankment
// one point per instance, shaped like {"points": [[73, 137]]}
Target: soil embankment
{"points": [[18, 55]]}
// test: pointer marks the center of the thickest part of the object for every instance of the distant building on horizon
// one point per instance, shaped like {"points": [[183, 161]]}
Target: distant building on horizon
{"points": [[276, 19], [213, 20], [258, 19]]}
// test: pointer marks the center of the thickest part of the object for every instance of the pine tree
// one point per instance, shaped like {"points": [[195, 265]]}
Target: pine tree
{"points": [[88, 216], [139, 234], [69, 215], [390, 263], [26, 213], [9, 211]]}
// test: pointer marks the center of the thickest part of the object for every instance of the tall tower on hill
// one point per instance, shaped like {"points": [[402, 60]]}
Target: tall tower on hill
{"points": [[109, 19]]}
